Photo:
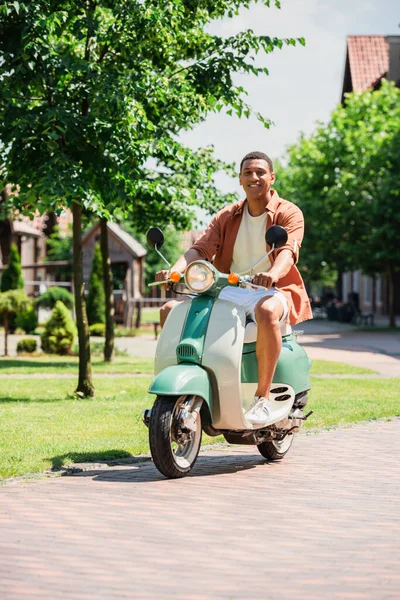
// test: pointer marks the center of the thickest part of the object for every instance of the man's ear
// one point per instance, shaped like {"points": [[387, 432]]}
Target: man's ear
{"points": [[272, 178]]}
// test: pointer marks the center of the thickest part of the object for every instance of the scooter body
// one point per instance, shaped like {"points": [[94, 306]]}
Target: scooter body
{"points": [[206, 377], [206, 349]]}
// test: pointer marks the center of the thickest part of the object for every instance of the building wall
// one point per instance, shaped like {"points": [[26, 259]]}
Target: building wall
{"points": [[118, 254]]}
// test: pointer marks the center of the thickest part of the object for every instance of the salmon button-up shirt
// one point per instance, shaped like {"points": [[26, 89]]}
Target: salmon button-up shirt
{"points": [[218, 241]]}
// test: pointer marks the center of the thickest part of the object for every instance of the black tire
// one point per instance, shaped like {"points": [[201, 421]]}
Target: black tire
{"points": [[170, 461], [276, 450]]}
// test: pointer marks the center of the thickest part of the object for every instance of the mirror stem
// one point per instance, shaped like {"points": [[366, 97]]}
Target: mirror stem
{"points": [[259, 261], [163, 257]]}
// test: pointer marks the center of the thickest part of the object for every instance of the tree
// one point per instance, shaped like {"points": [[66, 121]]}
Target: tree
{"points": [[346, 179], [12, 276], [96, 298], [12, 302], [91, 90], [108, 292]]}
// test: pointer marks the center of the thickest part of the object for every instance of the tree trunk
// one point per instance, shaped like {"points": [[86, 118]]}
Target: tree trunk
{"points": [[392, 316], [108, 292], [138, 315], [5, 325], [85, 384], [374, 294]]}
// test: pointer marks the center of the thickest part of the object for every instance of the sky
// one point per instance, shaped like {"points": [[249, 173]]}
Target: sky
{"points": [[304, 83]]}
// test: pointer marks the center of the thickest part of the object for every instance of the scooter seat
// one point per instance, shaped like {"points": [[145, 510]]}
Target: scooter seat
{"points": [[250, 334]]}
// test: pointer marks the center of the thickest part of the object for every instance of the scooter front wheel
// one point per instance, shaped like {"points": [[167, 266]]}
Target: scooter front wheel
{"points": [[276, 449], [174, 451]]}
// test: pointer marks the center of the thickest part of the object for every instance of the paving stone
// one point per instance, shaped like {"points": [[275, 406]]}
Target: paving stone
{"points": [[323, 523]]}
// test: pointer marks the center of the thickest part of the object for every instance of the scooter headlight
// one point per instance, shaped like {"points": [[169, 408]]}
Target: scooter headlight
{"points": [[199, 276]]}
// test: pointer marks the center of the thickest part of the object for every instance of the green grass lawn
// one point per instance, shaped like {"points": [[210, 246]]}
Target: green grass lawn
{"points": [[43, 426], [125, 364], [328, 367], [150, 315], [69, 364]]}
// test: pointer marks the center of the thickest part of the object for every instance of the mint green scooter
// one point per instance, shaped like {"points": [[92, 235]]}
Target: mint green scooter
{"points": [[206, 372]]}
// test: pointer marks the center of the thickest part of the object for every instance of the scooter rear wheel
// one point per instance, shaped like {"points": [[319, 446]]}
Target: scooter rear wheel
{"points": [[276, 450], [172, 457]]}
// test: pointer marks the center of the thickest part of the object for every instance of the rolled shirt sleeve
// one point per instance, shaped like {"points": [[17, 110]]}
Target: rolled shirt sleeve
{"points": [[209, 242], [293, 221]]}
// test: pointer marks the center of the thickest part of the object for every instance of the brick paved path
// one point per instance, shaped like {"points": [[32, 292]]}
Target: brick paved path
{"points": [[324, 523]]}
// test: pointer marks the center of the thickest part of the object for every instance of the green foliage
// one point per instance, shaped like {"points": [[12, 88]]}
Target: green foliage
{"points": [[27, 320], [96, 302], [346, 179], [97, 330], [14, 301], [26, 345], [59, 245], [91, 90], [53, 295], [60, 331], [12, 277]]}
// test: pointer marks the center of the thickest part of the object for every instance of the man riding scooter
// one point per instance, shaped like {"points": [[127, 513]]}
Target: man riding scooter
{"points": [[235, 241]]}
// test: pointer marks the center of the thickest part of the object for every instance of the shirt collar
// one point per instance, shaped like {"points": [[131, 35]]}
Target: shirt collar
{"points": [[271, 206]]}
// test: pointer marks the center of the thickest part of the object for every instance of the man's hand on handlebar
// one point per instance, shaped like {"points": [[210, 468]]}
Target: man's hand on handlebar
{"points": [[267, 280], [163, 276]]}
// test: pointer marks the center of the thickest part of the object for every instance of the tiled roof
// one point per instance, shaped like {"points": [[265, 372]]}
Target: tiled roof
{"points": [[124, 238], [368, 60]]}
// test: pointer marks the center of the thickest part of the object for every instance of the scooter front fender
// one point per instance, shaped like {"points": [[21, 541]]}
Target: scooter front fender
{"points": [[181, 379]]}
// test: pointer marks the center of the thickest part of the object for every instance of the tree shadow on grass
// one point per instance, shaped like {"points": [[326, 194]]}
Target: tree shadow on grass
{"points": [[5, 399], [106, 457], [12, 363]]}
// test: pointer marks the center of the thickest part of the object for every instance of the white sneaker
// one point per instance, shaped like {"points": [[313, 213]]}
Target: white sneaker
{"points": [[259, 412]]}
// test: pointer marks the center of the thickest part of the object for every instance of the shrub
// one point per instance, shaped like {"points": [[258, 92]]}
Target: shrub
{"points": [[97, 349], [12, 277], [26, 345], [125, 332], [27, 320], [97, 329], [60, 331], [53, 295], [96, 303]]}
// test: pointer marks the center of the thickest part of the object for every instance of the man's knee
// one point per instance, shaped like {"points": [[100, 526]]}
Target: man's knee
{"points": [[269, 311], [166, 309]]}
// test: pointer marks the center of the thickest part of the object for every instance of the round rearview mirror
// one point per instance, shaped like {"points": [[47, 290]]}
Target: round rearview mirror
{"points": [[276, 236], [155, 237]]}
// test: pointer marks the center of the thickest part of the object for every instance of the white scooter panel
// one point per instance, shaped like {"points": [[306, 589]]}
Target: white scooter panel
{"points": [[170, 337], [223, 354]]}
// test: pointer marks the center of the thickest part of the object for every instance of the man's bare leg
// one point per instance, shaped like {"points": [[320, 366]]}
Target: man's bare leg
{"points": [[166, 309], [269, 312]]}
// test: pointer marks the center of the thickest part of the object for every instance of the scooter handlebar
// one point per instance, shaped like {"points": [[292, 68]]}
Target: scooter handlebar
{"points": [[154, 283]]}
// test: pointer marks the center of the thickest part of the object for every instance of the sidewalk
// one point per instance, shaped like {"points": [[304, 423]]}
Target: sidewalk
{"points": [[323, 524]]}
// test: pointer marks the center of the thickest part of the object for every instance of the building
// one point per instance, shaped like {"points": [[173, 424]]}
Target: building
{"points": [[127, 263], [369, 59]]}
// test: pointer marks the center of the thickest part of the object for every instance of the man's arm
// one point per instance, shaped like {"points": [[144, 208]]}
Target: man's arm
{"points": [[281, 267]]}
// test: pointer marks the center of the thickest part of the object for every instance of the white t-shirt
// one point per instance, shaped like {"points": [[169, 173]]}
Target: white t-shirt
{"points": [[250, 245]]}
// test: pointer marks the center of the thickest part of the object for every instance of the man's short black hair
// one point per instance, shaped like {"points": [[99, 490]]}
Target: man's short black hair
{"points": [[258, 156]]}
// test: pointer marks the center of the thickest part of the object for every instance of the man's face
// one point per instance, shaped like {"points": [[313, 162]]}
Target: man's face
{"points": [[256, 178]]}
